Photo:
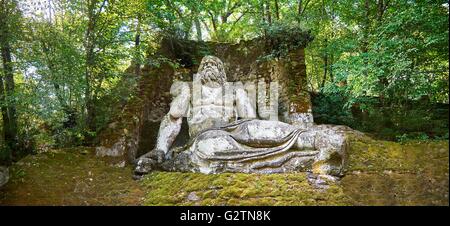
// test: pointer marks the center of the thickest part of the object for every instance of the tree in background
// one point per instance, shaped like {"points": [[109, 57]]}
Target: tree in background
{"points": [[10, 26], [62, 74]]}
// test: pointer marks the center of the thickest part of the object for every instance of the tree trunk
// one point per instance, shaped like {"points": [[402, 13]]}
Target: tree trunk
{"points": [[302, 7], [10, 122], [325, 68], [89, 48], [277, 11], [198, 28], [7, 93], [381, 9], [268, 14], [6, 157], [365, 41], [213, 21], [300, 2], [331, 67], [137, 42], [263, 15]]}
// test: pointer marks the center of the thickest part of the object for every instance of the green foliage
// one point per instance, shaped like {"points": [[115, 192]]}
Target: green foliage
{"points": [[406, 137], [331, 109], [369, 60], [4, 154], [399, 53], [229, 20], [378, 57], [285, 37], [51, 65], [412, 120]]}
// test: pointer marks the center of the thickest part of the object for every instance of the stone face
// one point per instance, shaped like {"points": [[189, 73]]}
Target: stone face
{"points": [[4, 175], [222, 143]]}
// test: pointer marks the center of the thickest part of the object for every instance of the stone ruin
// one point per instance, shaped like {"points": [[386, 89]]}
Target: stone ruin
{"points": [[158, 131]]}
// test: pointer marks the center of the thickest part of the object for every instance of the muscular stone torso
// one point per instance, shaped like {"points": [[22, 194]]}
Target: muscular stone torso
{"points": [[209, 112]]}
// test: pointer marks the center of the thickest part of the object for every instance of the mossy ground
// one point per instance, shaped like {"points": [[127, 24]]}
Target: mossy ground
{"points": [[69, 177], [391, 173], [237, 189], [379, 173]]}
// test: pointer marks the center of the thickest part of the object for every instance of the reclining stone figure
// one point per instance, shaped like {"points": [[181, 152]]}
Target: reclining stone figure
{"points": [[226, 136]]}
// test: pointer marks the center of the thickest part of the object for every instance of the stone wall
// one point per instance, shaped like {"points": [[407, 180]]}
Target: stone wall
{"points": [[176, 59]]}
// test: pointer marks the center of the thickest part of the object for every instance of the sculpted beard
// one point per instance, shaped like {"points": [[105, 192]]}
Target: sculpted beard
{"points": [[211, 74]]}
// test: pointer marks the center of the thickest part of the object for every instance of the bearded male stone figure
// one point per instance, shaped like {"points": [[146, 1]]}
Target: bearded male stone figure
{"points": [[226, 135]]}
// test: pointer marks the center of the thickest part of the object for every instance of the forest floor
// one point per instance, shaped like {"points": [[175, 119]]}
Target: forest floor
{"points": [[379, 173]]}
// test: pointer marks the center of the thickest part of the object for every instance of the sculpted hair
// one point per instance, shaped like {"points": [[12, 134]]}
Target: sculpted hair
{"points": [[211, 61]]}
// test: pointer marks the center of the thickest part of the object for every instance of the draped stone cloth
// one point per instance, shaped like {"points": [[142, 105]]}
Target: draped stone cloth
{"points": [[250, 146]]}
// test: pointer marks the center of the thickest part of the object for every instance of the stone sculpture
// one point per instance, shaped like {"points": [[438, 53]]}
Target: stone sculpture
{"points": [[227, 136]]}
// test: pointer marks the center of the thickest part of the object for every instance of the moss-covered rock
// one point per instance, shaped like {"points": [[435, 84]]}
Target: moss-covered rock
{"points": [[378, 173], [69, 177], [390, 173], [370, 155], [172, 188]]}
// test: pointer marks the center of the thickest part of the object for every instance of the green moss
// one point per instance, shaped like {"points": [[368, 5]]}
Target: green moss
{"points": [[378, 173], [69, 177], [370, 155], [391, 188], [389, 173], [172, 188]]}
